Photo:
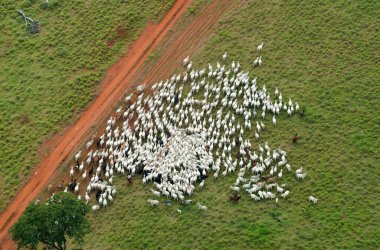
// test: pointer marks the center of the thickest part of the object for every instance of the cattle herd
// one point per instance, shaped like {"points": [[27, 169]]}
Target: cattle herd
{"points": [[196, 125]]}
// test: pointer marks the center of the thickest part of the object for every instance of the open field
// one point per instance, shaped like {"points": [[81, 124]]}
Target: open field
{"points": [[323, 55], [46, 80], [326, 58]]}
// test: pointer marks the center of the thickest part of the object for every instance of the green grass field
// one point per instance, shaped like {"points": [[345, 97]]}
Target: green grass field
{"points": [[325, 55], [48, 78]]}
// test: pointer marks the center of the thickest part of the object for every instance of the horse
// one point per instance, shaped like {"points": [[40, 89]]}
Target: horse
{"points": [[235, 198], [60, 186], [302, 114], [266, 177], [295, 138], [91, 171], [271, 180], [129, 178]]}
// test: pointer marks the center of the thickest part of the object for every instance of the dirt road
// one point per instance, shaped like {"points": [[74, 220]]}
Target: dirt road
{"points": [[129, 70], [114, 82]]}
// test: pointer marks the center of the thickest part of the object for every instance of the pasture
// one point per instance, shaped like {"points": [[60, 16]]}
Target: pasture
{"points": [[323, 56], [47, 79]]}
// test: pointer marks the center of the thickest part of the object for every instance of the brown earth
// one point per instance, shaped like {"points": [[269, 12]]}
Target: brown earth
{"points": [[130, 70]]}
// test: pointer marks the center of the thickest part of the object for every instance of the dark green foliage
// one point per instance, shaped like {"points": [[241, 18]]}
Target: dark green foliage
{"points": [[52, 222]]}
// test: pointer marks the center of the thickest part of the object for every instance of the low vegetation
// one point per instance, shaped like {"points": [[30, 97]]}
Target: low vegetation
{"points": [[48, 77], [325, 57]]}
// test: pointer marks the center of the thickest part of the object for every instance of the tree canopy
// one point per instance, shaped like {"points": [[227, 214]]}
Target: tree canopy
{"points": [[63, 215]]}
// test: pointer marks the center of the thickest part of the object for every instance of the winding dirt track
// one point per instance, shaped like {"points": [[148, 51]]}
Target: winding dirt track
{"points": [[189, 40], [118, 79]]}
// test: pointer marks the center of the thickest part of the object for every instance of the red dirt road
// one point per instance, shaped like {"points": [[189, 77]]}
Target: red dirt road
{"points": [[116, 83], [188, 41], [131, 69]]}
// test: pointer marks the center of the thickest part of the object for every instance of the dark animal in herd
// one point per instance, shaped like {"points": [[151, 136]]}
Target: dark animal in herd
{"points": [[235, 198], [302, 114], [295, 138]]}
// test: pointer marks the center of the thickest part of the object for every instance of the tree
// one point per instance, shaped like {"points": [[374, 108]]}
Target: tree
{"points": [[63, 215], [33, 25]]}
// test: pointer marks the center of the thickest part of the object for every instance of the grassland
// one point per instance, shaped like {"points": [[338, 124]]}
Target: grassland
{"points": [[325, 55], [48, 78]]}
